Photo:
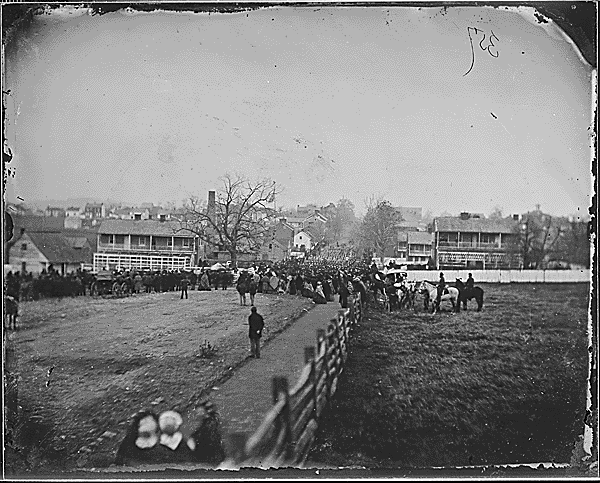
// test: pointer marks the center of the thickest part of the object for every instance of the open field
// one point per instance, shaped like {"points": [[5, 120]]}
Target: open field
{"points": [[506, 385], [85, 365]]}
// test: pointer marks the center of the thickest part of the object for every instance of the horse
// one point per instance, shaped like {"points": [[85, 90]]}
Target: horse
{"points": [[409, 292], [450, 293], [252, 288], [11, 311], [243, 287], [468, 293], [377, 284]]}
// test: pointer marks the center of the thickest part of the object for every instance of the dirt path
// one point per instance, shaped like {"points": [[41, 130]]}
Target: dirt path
{"points": [[246, 397], [86, 365]]}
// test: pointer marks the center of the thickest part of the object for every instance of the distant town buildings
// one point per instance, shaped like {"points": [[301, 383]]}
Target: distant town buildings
{"points": [[149, 237]]}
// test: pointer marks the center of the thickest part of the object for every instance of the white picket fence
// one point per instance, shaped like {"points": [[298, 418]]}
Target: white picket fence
{"points": [[505, 276]]}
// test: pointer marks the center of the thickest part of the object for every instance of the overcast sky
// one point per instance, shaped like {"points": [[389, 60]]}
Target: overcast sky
{"points": [[329, 103]]}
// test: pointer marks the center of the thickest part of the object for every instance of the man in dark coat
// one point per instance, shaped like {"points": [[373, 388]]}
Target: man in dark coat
{"points": [[440, 289], [470, 282], [184, 286], [256, 324]]}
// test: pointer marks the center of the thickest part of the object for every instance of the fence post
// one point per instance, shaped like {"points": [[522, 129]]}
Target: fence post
{"points": [[323, 343], [342, 324], [338, 345], [281, 386], [309, 358]]}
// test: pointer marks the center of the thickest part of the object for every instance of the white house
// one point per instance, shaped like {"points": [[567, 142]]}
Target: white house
{"points": [[73, 212], [302, 241]]}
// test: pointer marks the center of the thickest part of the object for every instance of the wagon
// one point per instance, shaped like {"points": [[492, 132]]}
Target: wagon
{"points": [[107, 284]]}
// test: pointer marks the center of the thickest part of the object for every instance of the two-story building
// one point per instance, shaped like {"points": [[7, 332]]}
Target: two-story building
{"points": [[55, 211], [478, 243], [94, 211], [144, 245]]}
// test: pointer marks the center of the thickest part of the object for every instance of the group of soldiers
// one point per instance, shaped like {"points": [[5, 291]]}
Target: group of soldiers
{"points": [[49, 283], [317, 279]]}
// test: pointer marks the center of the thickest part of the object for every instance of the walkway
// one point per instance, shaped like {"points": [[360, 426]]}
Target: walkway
{"points": [[244, 399]]}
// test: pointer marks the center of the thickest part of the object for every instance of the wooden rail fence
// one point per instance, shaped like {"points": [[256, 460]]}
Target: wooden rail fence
{"points": [[288, 430]]}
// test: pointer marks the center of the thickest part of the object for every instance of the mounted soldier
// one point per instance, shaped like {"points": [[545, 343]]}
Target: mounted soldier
{"points": [[440, 289]]}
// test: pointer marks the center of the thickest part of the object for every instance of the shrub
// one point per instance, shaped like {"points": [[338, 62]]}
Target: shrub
{"points": [[207, 350]]}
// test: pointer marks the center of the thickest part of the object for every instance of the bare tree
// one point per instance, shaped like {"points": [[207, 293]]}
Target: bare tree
{"points": [[378, 230], [537, 238], [238, 220], [496, 213]]}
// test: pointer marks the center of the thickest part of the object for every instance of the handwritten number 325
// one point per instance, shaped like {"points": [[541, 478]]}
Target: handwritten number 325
{"points": [[491, 47]]}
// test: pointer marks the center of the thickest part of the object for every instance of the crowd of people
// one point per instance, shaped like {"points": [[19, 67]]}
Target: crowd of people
{"points": [[318, 279], [51, 283]]}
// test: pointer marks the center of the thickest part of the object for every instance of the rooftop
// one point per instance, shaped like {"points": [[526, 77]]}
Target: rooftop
{"points": [[142, 227], [474, 225], [60, 249]]}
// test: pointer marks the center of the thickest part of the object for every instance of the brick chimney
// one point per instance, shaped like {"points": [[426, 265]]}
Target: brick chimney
{"points": [[464, 215], [211, 203]]}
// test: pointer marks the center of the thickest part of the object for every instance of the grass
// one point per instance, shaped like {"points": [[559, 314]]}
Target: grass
{"points": [[506, 385], [113, 357]]}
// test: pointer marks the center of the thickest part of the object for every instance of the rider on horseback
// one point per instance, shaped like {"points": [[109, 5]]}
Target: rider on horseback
{"points": [[440, 289], [470, 282]]}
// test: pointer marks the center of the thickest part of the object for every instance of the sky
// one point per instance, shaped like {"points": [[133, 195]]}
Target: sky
{"points": [[406, 104]]}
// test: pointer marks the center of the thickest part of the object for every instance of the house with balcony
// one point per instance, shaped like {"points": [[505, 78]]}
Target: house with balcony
{"points": [[144, 245], [414, 248], [468, 242]]}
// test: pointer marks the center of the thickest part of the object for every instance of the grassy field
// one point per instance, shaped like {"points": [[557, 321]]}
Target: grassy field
{"points": [[85, 365], [506, 385]]}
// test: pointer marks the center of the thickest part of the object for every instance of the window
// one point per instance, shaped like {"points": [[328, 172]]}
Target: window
{"points": [[169, 242], [120, 239], [488, 238], [186, 242], [139, 241], [24, 246], [448, 238]]}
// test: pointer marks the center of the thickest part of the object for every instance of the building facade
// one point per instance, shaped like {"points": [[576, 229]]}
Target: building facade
{"points": [[144, 245], [477, 243], [302, 241], [94, 211], [37, 251]]}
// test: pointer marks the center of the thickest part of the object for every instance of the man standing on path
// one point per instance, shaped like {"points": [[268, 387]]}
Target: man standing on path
{"points": [[256, 323], [184, 286]]}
